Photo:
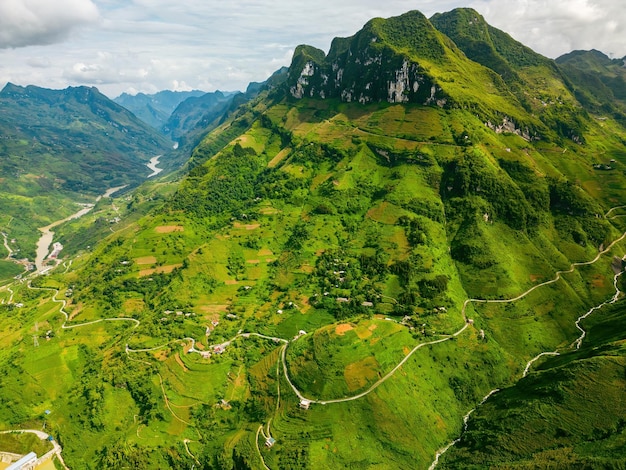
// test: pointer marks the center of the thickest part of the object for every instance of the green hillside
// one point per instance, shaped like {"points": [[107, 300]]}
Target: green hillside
{"points": [[62, 147], [569, 414], [536, 81], [356, 258], [598, 80]]}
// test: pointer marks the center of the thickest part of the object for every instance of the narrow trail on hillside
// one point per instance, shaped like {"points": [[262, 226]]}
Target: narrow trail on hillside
{"points": [[186, 442], [256, 442], [10, 252], [388, 375], [63, 303], [577, 343], [6, 246], [613, 209]]}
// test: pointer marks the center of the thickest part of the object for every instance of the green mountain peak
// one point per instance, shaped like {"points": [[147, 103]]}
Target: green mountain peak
{"points": [[385, 61]]}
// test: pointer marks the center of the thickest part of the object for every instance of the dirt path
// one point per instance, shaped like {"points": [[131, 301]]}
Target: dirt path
{"points": [[186, 442], [6, 245], [256, 441], [63, 303], [577, 343]]}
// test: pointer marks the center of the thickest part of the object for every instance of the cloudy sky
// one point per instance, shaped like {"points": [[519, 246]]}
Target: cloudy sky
{"points": [[151, 45]]}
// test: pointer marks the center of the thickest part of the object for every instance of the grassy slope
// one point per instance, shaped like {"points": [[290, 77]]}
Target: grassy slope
{"points": [[350, 193], [568, 414], [598, 80]]}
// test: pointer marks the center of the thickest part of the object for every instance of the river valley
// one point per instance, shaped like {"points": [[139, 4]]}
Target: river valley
{"points": [[154, 161], [43, 244]]}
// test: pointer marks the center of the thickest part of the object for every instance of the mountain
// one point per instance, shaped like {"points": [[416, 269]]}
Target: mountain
{"points": [[63, 145], [195, 117], [600, 82], [195, 113], [487, 45], [399, 60], [155, 109], [357, 257], [536, 81]]}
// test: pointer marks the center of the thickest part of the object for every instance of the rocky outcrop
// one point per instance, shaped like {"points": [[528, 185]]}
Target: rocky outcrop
{"points": [[507, 125], [364, 68]]}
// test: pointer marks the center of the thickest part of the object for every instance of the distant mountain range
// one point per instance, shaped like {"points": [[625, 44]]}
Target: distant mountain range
{"points": [[185, 117], [155, 109], [76, 138]]}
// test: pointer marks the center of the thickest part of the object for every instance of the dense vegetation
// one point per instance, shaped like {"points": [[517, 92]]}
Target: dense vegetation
{"points": [[317, 243], [569, 414]]}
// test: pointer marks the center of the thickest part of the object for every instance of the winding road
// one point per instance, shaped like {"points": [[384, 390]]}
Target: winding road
{"points": [[6, 245], [577, 343], [63, 303], [389, 374]]}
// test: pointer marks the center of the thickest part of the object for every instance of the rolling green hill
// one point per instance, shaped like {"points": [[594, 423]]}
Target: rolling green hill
{"points": [[357, 257]]}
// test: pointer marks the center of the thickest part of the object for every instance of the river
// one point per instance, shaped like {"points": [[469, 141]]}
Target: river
{"points": [[154, 161], [43, 244]]}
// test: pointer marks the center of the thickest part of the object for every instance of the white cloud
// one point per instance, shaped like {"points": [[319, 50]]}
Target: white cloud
{"points": [[30, 22], [150, 45], [555, 27]]}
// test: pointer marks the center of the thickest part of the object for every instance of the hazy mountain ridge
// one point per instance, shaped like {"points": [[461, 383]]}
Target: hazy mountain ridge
{"points": [[600, 82], [196, 113], [70, 117], [155, 109]]}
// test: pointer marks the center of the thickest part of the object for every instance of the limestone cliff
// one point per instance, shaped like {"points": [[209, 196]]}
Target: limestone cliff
{"points": [[372, 66]]}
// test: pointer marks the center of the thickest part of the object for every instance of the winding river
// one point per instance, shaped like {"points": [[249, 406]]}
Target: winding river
{"points": [[154, 161], [43, 244]]}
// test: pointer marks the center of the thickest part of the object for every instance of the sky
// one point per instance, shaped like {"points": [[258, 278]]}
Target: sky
{"points": [[151, 45]]}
